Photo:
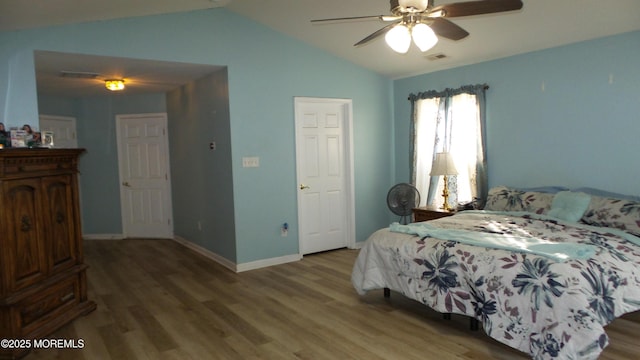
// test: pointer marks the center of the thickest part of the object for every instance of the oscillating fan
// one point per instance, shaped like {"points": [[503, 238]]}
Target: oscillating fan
{"points": [[401, 199]]}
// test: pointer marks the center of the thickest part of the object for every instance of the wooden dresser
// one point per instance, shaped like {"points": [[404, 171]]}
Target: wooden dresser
{"points": [[42, 274]]}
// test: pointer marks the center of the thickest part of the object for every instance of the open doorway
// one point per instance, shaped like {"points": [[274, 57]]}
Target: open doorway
{"points": [[85, 98]]}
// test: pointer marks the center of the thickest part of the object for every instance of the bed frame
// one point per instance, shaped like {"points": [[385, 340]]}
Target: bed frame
{"points": [[474, 324]]}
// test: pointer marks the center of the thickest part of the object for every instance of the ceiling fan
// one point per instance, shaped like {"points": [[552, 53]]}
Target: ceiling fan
{"points": [[422, 21]]}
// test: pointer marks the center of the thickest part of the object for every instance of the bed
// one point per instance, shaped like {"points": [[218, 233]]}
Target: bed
{"points": [[542, 272]]}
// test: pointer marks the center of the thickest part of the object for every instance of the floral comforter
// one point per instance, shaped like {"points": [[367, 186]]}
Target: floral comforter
{"points": [[545, 308]]}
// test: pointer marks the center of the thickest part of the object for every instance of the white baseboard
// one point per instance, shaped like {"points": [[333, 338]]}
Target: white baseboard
{"points": [[210, 254], [230, 264], [103, 236], [206, 253], [267, 262]]}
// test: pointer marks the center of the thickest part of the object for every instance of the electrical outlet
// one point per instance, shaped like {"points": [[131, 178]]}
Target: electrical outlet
{"points": [[212, 145]]}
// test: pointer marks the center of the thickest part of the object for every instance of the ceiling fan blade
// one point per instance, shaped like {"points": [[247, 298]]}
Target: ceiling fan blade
{"points": [[476, 8], [377, 17], [376, 34], [447, 29]]}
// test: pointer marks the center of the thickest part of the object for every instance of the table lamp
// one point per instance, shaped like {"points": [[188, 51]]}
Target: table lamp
{"points": [[443, 165]]}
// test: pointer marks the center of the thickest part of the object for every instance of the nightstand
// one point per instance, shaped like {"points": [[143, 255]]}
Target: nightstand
{"points": [[428, 213]]}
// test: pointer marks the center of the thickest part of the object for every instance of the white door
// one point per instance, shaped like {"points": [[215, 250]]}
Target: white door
{"points": [[324, 171], [145, 189], [64, 130]]}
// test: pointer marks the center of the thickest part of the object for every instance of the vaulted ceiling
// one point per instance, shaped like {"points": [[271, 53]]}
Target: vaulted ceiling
{"points": [[538, 25]]}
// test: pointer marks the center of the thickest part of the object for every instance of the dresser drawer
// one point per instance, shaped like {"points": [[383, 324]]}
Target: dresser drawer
{"points": [[54, 300], [37, 164]]}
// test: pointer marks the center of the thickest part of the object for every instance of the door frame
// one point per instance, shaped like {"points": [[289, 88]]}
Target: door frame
{"points": [[119, 120], [349, 183]]}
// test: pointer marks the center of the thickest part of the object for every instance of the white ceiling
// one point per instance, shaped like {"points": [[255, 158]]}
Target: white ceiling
{"points": [[540, 24]]}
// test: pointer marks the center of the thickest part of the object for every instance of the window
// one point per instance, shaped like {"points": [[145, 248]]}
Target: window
{"points": [[449, 121]]}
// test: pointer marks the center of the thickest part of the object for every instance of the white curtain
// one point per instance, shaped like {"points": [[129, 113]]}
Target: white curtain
{"points": [[451, 121], [426, 126]]}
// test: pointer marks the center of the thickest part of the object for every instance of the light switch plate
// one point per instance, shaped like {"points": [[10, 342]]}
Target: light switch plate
{"points": [[252, 161]]}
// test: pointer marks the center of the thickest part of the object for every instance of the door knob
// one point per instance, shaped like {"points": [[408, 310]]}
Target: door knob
{"points": [[125, 183], [303, 186]]}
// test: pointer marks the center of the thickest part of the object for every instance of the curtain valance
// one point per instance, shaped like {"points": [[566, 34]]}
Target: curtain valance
{"points": [[449, 92]]}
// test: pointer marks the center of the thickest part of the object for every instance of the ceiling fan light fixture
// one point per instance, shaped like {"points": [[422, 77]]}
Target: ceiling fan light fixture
{"points": [[399, 38], [114, 84], [423, 36], [412, 5]]}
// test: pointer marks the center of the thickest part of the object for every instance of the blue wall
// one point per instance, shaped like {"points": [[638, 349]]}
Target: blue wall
{"points": [[57, 105], [266, 70], [199, 114], [563, 116]]}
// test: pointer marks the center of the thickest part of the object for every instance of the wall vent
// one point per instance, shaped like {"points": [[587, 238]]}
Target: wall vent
{"points": [[435, 57], [78, 74]]}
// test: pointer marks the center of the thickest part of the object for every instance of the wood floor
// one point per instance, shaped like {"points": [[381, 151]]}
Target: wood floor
{"points": [[159, 300]]}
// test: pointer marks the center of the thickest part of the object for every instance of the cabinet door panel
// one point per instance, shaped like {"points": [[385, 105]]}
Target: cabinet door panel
{"points": [[28, 264], [58, 211]]}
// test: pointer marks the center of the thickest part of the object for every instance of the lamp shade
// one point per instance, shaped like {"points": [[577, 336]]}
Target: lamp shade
{"points": [[423, 37], [443, 165], [399, 38]]}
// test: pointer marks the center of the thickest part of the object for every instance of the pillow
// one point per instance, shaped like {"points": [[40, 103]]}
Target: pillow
{"points": [[569, 205], [545, 189], [608, 194], [502, 198], [615, 213]]}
